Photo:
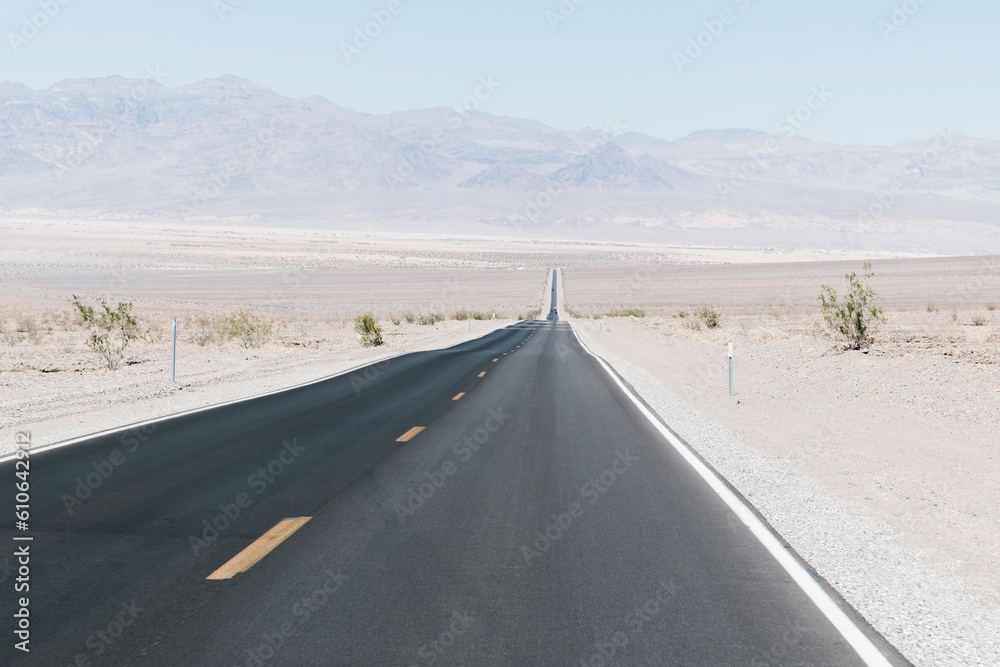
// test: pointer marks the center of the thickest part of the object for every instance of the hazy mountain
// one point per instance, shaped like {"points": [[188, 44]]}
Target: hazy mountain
{"points": [[609, 168], [229, 149], [506, 176]]}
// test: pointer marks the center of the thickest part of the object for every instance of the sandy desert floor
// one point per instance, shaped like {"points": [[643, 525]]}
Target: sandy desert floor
{"points": [[880, 468]]}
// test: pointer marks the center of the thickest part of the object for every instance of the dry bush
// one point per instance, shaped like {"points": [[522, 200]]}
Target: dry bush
{"points": [[369, 330], [204, 331], [112, 330], [855, 318], [709, 317], [430, 319], [626, 312], [26, 325], [245, 328]]}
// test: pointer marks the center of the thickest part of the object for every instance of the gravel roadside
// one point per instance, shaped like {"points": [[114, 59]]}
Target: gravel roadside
{"points": [[926, 611], [56, 395]]}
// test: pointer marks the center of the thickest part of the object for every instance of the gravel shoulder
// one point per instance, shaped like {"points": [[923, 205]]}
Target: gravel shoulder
{"points": [[57, 391], [881, 469]]}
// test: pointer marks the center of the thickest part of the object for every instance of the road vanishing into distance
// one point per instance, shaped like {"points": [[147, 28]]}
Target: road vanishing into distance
{"points": [[502, 502]]}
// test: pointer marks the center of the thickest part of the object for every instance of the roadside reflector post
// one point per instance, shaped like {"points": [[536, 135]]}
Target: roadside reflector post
{"points": [[173, 352], [730, 368]]}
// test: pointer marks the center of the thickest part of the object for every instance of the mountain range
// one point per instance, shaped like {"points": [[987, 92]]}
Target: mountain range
{"points": [[229, 150]]}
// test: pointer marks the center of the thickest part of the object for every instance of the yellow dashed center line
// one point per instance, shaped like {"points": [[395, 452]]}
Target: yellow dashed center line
{"points": [[411, 434], [458, 396], [266, 543], [495, 360], [483, 374]]}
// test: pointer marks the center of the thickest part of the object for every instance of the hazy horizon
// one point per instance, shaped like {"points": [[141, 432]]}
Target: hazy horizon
{"points": [[894, 71]]}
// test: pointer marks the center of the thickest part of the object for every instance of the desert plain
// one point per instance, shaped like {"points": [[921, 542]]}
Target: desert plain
{"points": [[880, 467]]}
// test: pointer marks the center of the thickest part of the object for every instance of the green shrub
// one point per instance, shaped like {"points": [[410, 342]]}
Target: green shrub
{"points": [[626, 312], [463, 315], [369, 330], [530, 315], [855, 319], [111, 330], [203, 331], [245, 328], [410, 317], [433, 318], [709, 317]]}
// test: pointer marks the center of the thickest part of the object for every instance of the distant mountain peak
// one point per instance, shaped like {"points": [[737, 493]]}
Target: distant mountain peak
{"points": [[609, 167], [505, 176]]}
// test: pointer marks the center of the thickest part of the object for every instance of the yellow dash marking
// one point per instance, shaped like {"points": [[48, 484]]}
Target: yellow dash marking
{"points": [[411, 434], [483, 374], [495, 360], [458, 396], [264, 545]]}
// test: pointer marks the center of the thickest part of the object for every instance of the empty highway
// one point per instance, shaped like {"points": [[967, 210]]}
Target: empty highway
{"points": [[501, 502]]}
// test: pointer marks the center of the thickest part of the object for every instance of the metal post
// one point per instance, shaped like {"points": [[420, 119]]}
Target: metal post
{"points": [[470, 324], [730, 368], [173, 354]]}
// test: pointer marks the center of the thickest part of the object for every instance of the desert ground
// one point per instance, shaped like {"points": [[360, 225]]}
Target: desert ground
{"points": [[880, 467]]}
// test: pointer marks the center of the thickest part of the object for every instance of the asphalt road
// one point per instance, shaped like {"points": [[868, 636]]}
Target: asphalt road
{"points": [[538, 519]]}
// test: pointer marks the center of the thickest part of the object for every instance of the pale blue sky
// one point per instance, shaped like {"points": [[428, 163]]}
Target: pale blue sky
{"points": [[608, 59]]}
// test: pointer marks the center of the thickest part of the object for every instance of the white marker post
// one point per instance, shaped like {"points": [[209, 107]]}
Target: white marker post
{"points": [[730, 368], [173, 354]]}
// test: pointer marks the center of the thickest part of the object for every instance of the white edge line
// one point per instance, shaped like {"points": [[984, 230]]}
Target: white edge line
{"points": [[847, 628], [156, 420]]}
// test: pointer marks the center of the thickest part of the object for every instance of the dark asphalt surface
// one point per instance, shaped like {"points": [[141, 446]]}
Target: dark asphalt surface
{"points": [[538, 520]]}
